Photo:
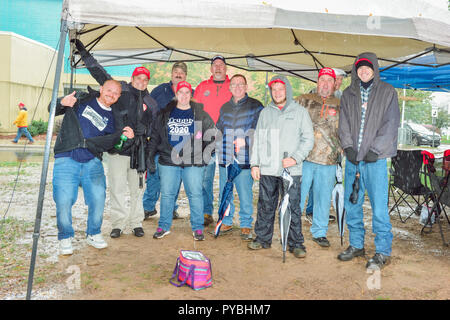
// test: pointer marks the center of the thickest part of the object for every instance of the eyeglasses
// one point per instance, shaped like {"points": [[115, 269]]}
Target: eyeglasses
{"points": [[240, 85]]}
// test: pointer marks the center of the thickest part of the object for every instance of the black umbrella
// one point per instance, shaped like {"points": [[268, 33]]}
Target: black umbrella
{"points": [[284, 209], [137, 156]]}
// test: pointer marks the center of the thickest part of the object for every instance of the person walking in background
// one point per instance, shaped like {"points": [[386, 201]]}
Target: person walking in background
{"points": [[21, 123], [368, 129], [212, 93], [237, 122]]}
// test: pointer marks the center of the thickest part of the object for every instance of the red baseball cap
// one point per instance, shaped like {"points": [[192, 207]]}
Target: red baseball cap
{"points": [[141, 70], [184, 84], [21, 105], [275, 81], [327, 71]]}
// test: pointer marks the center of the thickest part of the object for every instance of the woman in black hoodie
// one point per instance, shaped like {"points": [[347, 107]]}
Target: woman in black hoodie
{"points": [[182, 136]]}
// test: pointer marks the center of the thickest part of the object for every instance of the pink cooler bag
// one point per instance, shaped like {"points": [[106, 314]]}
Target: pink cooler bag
{"points": [[193, 269]]}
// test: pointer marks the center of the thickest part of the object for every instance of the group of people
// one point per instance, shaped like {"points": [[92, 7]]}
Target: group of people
{"points": [[188, 132]]}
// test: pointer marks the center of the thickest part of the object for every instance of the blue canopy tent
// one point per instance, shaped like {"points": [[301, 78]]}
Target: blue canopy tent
{"points": [[422, 73]]}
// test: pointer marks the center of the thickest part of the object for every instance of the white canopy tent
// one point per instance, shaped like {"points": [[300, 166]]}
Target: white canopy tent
{"points": [[291, 37], [296, 37]]}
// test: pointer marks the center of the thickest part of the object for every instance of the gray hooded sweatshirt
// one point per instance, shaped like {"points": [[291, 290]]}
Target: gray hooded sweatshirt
{"points": [[278, 131], [382, 117]]}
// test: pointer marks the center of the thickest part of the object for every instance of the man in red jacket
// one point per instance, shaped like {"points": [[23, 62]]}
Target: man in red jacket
{"points": [[212, 93]]}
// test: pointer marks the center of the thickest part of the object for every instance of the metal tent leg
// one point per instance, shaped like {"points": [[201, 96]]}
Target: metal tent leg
{"points": [[37, 224]]}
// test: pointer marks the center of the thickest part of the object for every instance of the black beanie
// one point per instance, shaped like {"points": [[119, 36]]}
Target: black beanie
{"points": [[363, 62]]}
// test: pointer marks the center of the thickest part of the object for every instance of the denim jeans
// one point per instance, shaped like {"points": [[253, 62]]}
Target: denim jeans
{"points": [[310, 204], [23, 132], [152, 192], [243, 184], [320, 179], [208, 186], [68, 174], [171, 178], [374, 179]]}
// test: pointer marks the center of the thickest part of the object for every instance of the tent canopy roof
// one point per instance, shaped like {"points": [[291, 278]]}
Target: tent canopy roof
{"points": [[291, 37]]}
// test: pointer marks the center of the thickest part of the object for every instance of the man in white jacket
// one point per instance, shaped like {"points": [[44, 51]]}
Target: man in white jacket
{"points": [[283, 127]]}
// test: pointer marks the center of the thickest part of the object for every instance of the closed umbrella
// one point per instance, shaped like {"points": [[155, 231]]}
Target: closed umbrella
{"points": [[233, 170], [284, 210], [338, 201]]}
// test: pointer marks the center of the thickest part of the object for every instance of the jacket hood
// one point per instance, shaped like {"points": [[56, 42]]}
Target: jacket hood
{"points": [[373, 58], [289, 95]]}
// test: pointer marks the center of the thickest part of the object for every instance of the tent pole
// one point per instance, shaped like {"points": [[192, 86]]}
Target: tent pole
{"points": [[403, 107], [37, 224]]}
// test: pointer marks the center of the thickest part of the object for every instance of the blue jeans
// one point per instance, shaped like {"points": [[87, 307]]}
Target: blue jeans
{"points": [[310, 204], [68, 174], [243, 183], [322, 179], [374, 179], [208, 186], [171, 177], [152, 192], [23, 132]]}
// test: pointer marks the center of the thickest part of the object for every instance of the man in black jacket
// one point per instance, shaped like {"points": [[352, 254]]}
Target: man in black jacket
{"points": [[88, 129], [137, 110]]}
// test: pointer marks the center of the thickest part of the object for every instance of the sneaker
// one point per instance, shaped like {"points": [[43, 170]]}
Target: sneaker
{"points": [[246, 234], [350, 253], [96, 241], [378, 261], [331, 218], [148, 214], [208, 219], [31, 142], [115, 233], [322, 241], [255, 245], [13, 141], [138, 232], [298, 252], [225, 229], [198, 235], [309, 217], [65, 246], [160, 233]]}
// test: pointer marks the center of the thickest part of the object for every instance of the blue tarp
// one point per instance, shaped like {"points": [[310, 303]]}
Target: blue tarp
{"points": [[419, 77]]}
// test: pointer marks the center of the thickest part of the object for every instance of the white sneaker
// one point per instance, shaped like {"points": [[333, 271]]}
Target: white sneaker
{"points": [[96, 241], [65, 246]]}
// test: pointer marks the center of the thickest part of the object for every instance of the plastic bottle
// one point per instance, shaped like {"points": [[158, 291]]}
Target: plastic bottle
{"points": [[119, 145]]}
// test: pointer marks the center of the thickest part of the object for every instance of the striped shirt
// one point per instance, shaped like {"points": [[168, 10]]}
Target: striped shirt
{"points": [[364, 99]]}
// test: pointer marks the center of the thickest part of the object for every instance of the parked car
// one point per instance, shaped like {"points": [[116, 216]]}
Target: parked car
{"points": [[423, 136]]}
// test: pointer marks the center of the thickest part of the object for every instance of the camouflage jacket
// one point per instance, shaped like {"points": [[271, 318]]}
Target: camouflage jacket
{"points": [[325, 118]]}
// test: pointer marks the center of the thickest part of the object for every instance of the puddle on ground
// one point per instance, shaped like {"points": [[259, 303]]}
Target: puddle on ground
{"points": [[25, 156]]}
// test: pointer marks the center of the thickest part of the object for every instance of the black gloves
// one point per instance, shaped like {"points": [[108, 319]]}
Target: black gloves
{"points": [[371, 156], [351, 154], [151, 166]]}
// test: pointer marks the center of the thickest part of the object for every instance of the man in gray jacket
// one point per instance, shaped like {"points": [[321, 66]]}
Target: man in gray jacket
{"points": [[283, 127], [368, 125]]}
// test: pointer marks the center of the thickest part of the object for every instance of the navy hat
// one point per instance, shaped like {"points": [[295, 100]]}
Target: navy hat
{"points": [[218, 57]]}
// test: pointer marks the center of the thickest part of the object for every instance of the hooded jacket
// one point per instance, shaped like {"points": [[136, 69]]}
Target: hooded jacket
{"points": [[198, 150], [382, 117], [278, 131], [22, 118]]}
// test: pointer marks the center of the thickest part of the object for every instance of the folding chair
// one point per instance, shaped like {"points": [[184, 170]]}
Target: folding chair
{"points": [[439, 188], [405, 183]]}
